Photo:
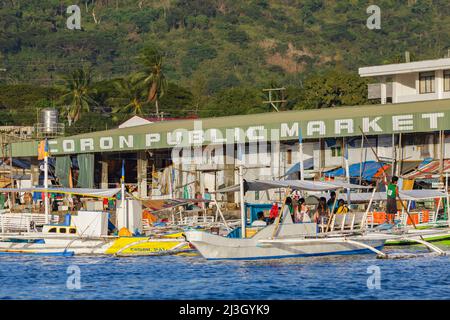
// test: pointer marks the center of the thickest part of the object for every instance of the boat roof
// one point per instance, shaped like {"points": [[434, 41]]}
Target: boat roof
{"points": [[99, 193], [262, 185]]}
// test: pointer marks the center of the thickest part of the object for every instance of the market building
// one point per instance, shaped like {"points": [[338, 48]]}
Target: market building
{"points": [[176, 158]]}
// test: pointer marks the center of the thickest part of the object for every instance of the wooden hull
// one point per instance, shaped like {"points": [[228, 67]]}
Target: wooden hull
{"points": [[126, 246], [213, 247]]}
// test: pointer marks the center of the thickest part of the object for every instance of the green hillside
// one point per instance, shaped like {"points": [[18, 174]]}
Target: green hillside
{"points": [[217, 54]]}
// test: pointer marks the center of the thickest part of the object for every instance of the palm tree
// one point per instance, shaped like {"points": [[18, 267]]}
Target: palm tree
{"points": [[130, 95], [77, 91], [154, 76]]}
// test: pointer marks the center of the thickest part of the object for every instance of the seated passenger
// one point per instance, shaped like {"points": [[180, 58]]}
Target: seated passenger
{"points": [[261, 222], [342, 208]]}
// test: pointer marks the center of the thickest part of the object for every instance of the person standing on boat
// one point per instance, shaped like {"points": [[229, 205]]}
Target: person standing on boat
{"points": [[273, 212], [322, 213], [332, 202], [207, 196], [302, 213], [391, 205]]}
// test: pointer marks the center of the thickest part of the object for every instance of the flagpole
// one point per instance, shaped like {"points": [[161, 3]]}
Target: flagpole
{"points": [[300, 150], [347, 168], [46, 204], [241, 191], [123, 194]]}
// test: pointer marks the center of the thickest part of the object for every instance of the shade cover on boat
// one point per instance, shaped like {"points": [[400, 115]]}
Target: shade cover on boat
{"points": [[98, 193], [429, 170], [306, 185], [404, 195]]}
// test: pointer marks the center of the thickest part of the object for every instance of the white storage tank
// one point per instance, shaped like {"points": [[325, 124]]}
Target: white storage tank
{"points": [[49, 120]]}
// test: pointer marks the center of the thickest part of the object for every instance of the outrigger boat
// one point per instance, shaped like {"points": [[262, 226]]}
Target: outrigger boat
{"points": [[86, 232], [285, 239]]}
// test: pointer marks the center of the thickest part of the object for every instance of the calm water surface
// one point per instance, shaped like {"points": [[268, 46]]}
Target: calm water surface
{"points": [[177, 277]]}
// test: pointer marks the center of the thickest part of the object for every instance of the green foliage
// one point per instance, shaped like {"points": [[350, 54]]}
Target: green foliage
{"points": [[77, 94], [234, 101], [333, 89], [210, 50]]}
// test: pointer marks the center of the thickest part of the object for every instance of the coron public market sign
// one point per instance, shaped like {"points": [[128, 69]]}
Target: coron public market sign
{"points": [[138, 140]]}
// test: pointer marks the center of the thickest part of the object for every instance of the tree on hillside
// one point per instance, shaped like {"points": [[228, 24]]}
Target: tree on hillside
{"points": [[130, 95], [234, 101], [77, 91], [154, 77], [332, 89]]}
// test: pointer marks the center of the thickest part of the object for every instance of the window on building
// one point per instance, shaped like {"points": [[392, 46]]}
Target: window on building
{"points": [[447, 80], [289, 156], [336, 151], [426, 82]]}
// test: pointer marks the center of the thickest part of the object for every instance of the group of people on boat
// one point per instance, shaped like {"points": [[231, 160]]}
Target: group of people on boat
{"points": [[297, 210]]}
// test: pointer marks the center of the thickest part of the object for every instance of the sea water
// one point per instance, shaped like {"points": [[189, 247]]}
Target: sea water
{"points": [[192, 277]]}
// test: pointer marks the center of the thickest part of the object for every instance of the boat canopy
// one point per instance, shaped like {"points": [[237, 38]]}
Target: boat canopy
{"points": [[429, 170], [368, 169], [262, 185], [98, 193]]}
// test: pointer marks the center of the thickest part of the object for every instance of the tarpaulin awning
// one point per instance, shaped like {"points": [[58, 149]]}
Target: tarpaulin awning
{"points": [[166, 204], [306, 185], [97, 193], [370, 170], [423, 194], [429, 170], [308, 164]]}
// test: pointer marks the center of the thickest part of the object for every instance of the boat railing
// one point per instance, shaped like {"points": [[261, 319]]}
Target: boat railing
{"points": [[17, 222]]}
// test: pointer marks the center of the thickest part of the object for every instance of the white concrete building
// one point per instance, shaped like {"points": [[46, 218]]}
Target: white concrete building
{"points": [[409, 82]]}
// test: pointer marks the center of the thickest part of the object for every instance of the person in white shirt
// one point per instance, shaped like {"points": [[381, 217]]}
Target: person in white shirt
{"points": [[261, 222]]}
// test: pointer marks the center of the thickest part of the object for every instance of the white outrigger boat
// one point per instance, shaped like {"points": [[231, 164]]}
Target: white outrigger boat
{"points": [[285, 239], [83, 233]]}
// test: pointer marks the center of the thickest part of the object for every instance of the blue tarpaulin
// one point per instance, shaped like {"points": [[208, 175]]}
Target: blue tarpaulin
{"points": [[370, 168], [308, 163]]}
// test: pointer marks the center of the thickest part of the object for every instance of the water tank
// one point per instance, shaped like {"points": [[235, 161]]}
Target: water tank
{"points": [[49, 120]]}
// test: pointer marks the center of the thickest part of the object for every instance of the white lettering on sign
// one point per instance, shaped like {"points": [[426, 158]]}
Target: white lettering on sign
{"points": [[53, 142], [216, 136], [128, 141], [371, 124], [152, 138], [106, 143], [402, 123], [252, 133], [289, 132], [196, 137], [68, 145], [344, 124], [174, 138], [316, 126], [433, 118], [87, 144]]}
